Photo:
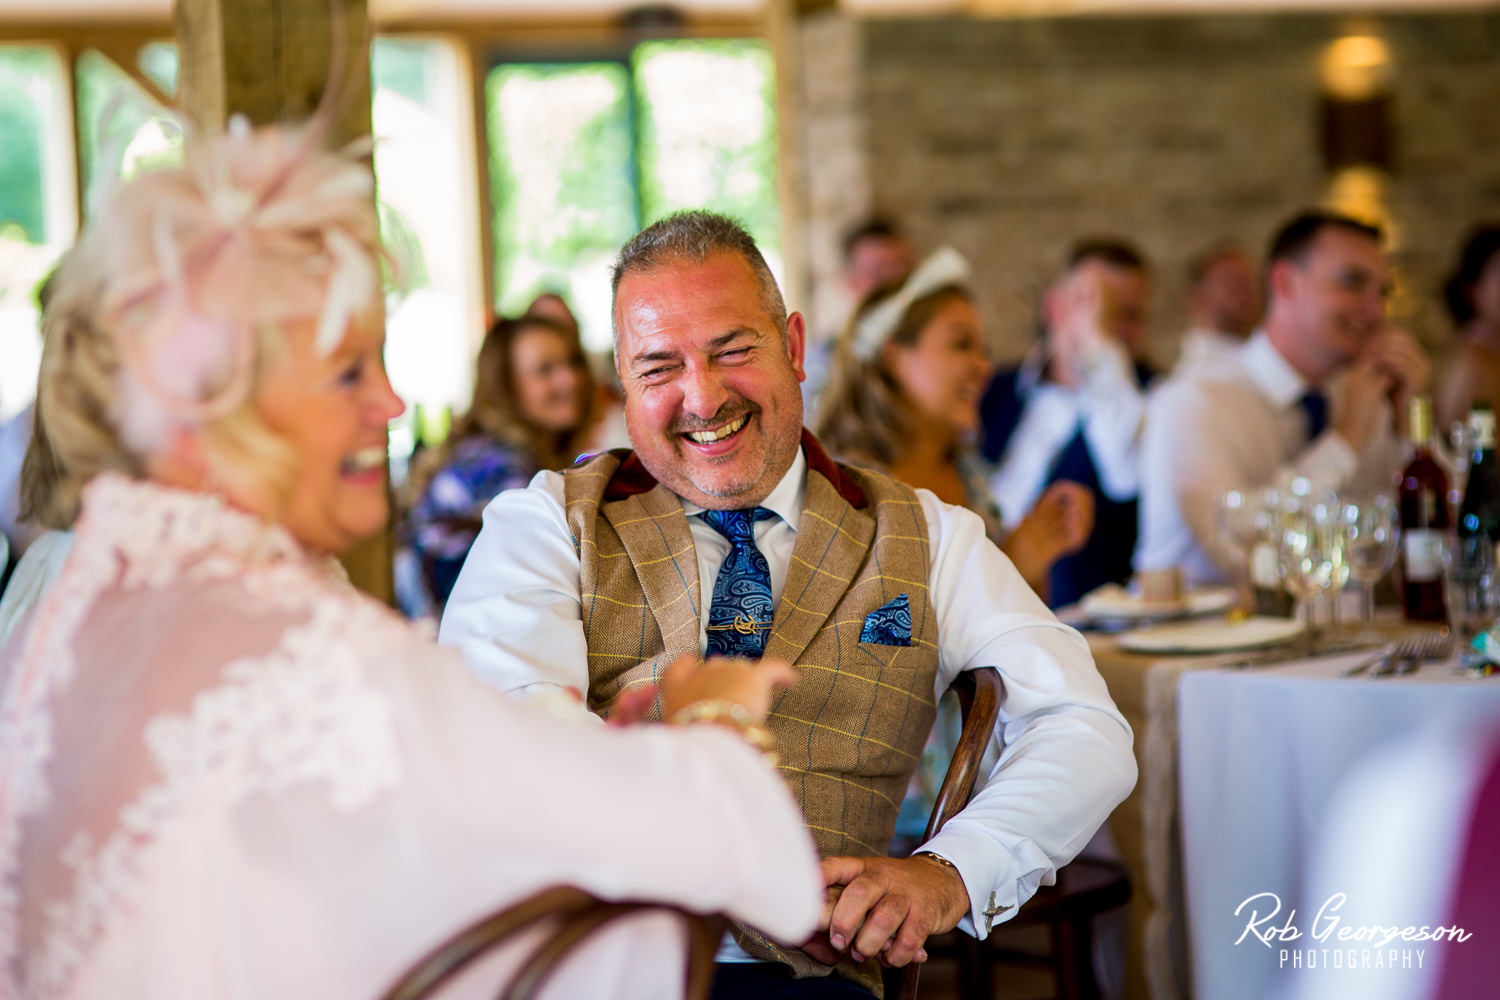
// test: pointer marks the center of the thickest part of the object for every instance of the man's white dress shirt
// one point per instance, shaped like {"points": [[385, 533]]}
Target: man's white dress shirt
{"points": [[1238, 425], [1061, 759], [1202, 346], [1109, 406]]}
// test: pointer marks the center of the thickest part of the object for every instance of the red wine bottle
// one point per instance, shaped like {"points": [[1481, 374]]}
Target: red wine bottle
{"points": [[1424, 521]]}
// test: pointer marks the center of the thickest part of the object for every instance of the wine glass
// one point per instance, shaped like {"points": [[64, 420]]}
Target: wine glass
{"points": [[1310, 553], [1372, 529], [1241, 524], [1471, 585], [1248, 519]]}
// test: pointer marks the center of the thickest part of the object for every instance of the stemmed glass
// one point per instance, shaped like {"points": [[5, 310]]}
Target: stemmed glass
{"points": [[1310, 553], [1246, 522], [1372, 530]]}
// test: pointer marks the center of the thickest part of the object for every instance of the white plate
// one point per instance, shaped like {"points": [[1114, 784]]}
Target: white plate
{"points": [[1211, 636], [1115, 602]]}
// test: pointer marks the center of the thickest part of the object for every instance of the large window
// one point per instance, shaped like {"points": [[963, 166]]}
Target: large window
{"points": [[38, 213], [583, 154], [423, 165], [122, 128]]}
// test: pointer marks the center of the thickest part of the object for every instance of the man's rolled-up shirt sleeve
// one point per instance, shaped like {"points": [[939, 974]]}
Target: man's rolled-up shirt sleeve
{"points": [[1061, 758], [514, 611]]}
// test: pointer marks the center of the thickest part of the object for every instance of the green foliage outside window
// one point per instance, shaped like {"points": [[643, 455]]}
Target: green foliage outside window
{"points": [[560, 171], [121, 130], [582, 155], [22, 194], [708, 131]]}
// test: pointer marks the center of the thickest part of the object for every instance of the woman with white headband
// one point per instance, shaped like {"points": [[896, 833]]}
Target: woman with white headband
{"points": [[226, 773], [908, 376]]}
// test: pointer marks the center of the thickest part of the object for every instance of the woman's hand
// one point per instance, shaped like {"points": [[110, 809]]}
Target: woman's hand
{"points": [[749, 683], [1058, 525]]}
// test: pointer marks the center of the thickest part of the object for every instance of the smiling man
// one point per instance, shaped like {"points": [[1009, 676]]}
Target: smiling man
{"points": [[729, 531], [1321, 392]]}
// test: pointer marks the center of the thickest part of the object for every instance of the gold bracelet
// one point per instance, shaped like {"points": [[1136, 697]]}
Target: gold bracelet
{"points": [[720, 711]]}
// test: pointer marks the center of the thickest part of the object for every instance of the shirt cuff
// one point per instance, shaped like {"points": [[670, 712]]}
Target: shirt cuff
{"points": [[1330, 460], [989, 874]]}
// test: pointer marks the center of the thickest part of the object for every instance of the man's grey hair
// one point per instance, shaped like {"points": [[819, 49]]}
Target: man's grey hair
{"points": [[695, 236]]}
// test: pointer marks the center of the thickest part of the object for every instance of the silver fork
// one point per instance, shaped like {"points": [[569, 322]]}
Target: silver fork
{"points": [[1430, 646], [1391, 654]]}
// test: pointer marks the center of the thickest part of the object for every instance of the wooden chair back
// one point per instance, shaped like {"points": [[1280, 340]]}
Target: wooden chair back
{"points": [[979, 695], [574, 916]]}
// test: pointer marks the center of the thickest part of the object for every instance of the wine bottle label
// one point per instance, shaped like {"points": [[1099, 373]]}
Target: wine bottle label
{"points": [[1265, 571], [1423, 551], [1482, 429]]}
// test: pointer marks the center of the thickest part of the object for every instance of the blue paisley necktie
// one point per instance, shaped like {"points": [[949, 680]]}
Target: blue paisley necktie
{"points": [[739, 619]]}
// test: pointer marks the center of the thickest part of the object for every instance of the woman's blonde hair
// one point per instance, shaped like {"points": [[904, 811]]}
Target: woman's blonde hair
{"points": [[181, 293], [863, 415]]}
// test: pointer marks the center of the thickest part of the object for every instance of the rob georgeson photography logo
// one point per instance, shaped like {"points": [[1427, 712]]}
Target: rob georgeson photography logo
{"points": [[1329, 942]]}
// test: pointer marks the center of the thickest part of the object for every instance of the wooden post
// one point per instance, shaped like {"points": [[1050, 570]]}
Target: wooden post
{"points": [[269, 60]]}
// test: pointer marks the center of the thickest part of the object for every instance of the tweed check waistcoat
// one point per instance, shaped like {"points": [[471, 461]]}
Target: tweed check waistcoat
{"points": [[849, 733]]}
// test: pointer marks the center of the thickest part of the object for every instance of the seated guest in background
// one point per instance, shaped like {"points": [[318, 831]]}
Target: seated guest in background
{"points": [[729, 528], [1073, 409], [530, 411], [223, 771], [1472, 295], [1224, 304], [875, 252], [551, 305], [1266, 414], [904, 398]]}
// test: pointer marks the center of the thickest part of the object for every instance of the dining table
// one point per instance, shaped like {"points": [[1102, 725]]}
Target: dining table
{"points": [[1263, 759], [1233, 767]]}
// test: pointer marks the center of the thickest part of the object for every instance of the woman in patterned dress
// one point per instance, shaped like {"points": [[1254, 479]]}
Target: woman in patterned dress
{"points": [[530, 411]]}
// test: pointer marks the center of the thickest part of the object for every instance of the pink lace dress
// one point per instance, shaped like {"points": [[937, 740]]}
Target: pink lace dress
{"points": [[226, 773]]}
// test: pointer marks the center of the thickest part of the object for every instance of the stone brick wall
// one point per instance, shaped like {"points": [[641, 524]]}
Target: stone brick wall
{"points": [[1011, 138]]}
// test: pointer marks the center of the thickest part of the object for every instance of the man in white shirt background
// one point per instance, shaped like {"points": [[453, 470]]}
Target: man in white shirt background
{"points": [[1073, 410], [591, 580], [875, 252], [1224, 304], [1320, 391]]}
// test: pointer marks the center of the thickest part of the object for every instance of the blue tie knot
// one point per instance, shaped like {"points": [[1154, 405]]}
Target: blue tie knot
{"points": [[737, 525]]}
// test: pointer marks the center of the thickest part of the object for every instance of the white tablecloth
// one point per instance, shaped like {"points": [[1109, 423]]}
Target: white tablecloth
{"points": [[1261, 754]]}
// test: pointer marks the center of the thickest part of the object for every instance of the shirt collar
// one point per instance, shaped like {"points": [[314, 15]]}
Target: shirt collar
{"points": [[1272, 374], [785, 500]]}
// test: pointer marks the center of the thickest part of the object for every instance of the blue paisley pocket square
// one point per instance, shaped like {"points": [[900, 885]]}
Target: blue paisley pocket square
{"points": [[889, 624]]}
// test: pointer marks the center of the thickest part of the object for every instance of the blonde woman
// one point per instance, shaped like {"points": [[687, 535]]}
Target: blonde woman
{"points": [[223, 771], [908, 376]]}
